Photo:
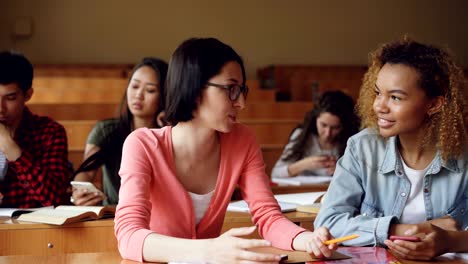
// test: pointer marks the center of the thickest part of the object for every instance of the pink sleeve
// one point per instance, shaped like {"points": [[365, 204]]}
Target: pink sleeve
{"points": [[134, 208], [266, 214]]}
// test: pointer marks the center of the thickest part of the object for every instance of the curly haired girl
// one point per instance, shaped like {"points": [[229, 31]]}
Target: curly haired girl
{"points": [[406, 174]]}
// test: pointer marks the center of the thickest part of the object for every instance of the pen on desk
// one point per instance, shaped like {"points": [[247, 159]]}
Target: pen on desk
{"points": [[340, 239]]}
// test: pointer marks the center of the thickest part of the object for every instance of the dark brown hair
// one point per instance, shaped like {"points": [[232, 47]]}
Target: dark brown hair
{"points": [[336, 103]]}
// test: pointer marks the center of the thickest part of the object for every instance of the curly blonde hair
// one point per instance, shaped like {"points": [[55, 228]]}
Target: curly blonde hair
{"points": [[439, 76]]}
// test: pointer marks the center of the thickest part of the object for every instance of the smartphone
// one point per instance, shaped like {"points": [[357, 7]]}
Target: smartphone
{"points": [[405, 238], [283, 258], [84, 185]]}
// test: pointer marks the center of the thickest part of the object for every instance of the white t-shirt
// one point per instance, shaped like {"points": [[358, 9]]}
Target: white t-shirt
{"points": [[415, 210], [200, 204], [280, 170], [3, 166]]}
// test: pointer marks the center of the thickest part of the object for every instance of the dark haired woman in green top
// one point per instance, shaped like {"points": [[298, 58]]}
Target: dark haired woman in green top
{"points": [[142, 106]]}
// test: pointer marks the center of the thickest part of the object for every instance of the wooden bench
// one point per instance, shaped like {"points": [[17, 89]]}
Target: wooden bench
{"points": [[83, 70], [275, 110], [271, 153], [78, 90], [271, 132], [84, 84], [272, 136], [296, 82], [98, 111], [259, 95], [53, 90], [76, 111]]}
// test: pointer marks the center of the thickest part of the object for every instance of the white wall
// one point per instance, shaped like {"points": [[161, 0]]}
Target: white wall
{"points": [[263, 31]]}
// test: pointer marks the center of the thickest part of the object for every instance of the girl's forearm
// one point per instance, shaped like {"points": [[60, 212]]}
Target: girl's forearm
{"points": [[458, 241], [160, 248], [296, 168], [299, 242]]}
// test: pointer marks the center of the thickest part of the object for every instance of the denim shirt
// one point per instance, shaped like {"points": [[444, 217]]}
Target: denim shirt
{"points": [[369, 190]]}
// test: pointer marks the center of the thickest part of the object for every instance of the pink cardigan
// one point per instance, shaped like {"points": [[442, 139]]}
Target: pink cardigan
{"points": [[152, 200]]}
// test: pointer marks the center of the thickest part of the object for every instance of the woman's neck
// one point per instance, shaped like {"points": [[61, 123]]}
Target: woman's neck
{"points": [[193, 141], [325, 145], [414, 154], [143, 122]]}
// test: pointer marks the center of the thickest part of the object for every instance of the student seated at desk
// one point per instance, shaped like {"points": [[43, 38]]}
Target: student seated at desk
{"points": [[35, 147], [142, 106], [177, 181], [316, 144], [407, 172]]}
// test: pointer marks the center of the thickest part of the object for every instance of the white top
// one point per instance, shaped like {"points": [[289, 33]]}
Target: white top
{"points": [[415, 210], [3, 166], [200, 204], [280, 170]]}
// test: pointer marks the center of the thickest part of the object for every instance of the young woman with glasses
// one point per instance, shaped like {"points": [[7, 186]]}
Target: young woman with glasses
{"points": [[177, 181]]}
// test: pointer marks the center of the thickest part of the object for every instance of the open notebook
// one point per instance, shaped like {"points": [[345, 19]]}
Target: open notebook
{"points": [[287, 202], [66, 214], [15, 212]]}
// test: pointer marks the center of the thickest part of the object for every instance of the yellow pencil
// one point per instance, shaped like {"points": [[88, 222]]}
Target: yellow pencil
{"points": [[340, 239]]}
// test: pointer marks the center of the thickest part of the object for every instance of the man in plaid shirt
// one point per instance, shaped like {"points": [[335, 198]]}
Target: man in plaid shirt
{"points": [[35, 147]]}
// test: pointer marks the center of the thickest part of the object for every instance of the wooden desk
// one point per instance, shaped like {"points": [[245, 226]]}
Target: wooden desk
{"points": [[299, 189], [21, 238], [18, 238], [237, 219], [288, 189], [114, 258]]}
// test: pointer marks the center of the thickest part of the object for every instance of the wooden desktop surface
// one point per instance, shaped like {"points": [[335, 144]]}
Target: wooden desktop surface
{"points": [[24, 238], [283, 189], [114, 258]]}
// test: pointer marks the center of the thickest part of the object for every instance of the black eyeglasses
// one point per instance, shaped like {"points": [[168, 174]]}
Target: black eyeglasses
{"points": [[234, 90]]}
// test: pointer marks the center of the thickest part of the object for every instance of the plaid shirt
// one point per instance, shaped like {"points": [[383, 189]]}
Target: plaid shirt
{"points": [[40, 176]]}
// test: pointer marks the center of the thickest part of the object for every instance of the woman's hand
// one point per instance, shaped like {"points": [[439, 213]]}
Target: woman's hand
{"points": [[313, 242], [316, 162], [446, 222], [331, 165], [434, 242], [161, 119], [84, 197], [312, 163], [8, 146], [229, 248]]}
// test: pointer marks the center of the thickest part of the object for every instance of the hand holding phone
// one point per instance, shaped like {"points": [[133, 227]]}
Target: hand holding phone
{"points": [[406, 238], [88, 186], [85, 193], [283, 257]]}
